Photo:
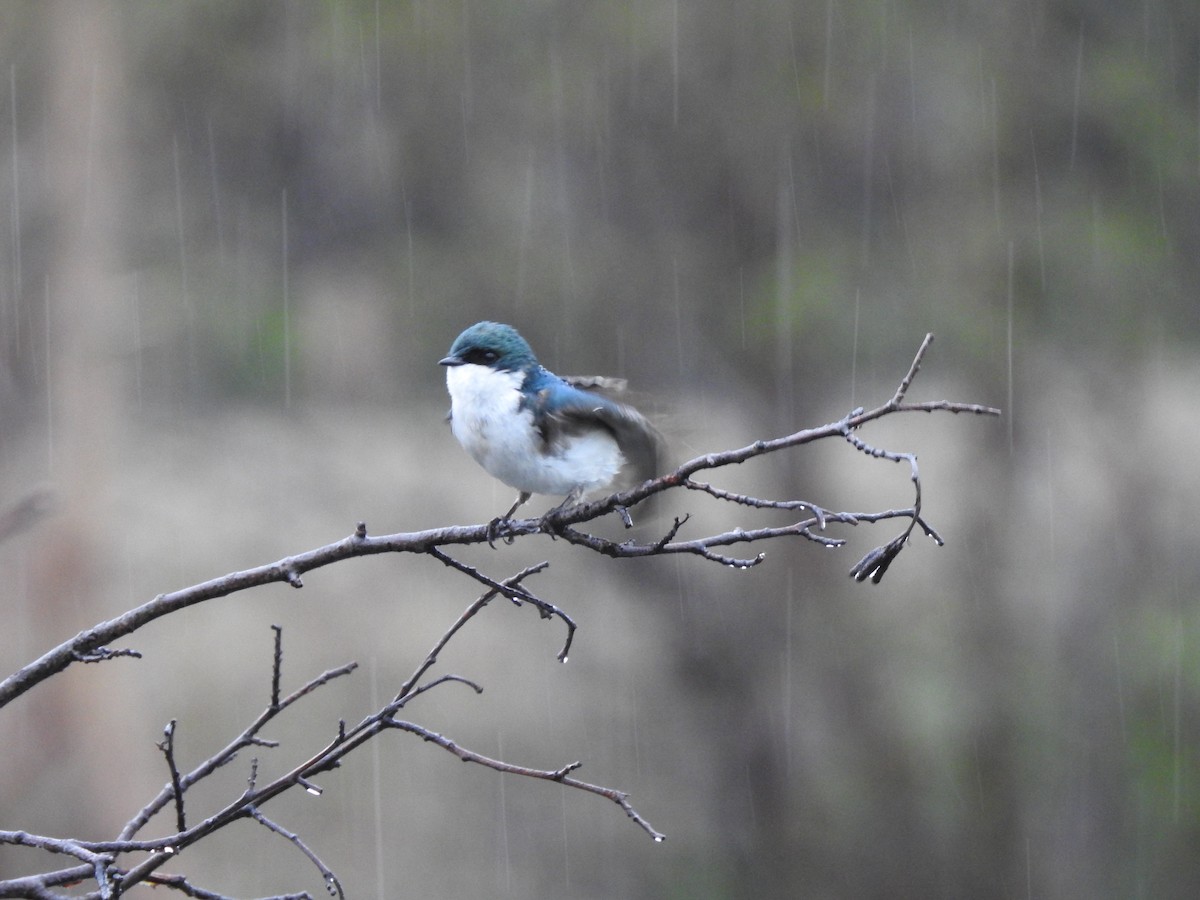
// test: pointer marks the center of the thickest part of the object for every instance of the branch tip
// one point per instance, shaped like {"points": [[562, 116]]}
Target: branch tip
{"points": [[560, 774], [167, 748], [102, 654]]}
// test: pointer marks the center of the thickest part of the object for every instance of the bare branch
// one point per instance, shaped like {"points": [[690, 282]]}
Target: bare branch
{"points": [[180, 883], [331, 881], [545, 608], [167, 746], [907, 380], [100, 854], [406, 692], [38, 887], [247, 738], [560, 775], [103, 654], [289, 570], [97, 860], [276, 668]]}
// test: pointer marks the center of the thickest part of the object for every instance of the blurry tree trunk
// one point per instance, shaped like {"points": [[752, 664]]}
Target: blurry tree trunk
{"points": [[83, 163]]}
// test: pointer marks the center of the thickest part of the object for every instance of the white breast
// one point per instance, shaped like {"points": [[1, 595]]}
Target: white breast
{"points": [[486, 417]]}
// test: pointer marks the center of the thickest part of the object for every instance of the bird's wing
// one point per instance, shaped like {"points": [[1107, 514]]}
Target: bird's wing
{"points": [[598, 384], [561, 408]]}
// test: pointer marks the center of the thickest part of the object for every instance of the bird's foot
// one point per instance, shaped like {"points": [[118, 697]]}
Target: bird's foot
{"points": [[500, 527], [547, 523]]}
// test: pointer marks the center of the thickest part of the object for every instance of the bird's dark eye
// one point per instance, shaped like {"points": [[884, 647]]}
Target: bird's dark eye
{"points": [[481, 357]]}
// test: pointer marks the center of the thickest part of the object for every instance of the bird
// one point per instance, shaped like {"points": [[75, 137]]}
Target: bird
{"points": [[538, 432]]}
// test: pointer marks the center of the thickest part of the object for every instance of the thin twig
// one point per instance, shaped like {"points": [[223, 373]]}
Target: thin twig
{"points": [[560, 775], [248, 738], [907, 380], [182, 885], [406, 691], [276, 667], [544, 607], [103, 654], [331, 880], [167, 746]]}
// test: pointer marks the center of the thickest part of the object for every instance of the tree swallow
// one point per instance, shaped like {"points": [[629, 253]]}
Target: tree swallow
{"points": [[536, 431]]}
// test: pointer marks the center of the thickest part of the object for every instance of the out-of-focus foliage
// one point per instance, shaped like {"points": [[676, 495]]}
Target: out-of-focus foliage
{"points": [[626, 166], [754, 211]]}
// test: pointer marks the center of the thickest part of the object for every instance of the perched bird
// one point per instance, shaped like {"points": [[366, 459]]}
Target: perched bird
{"points": [[536, 431]]}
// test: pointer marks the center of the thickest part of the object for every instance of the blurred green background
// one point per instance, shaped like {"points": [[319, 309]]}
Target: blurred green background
{"points": [[239, 237]]}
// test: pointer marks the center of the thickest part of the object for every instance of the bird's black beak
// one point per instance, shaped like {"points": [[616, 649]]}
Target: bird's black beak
{"points": [[452, 361]]}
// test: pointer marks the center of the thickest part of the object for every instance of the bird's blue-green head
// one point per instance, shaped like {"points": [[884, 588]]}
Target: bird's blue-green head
{"points": [[493, 345]]}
